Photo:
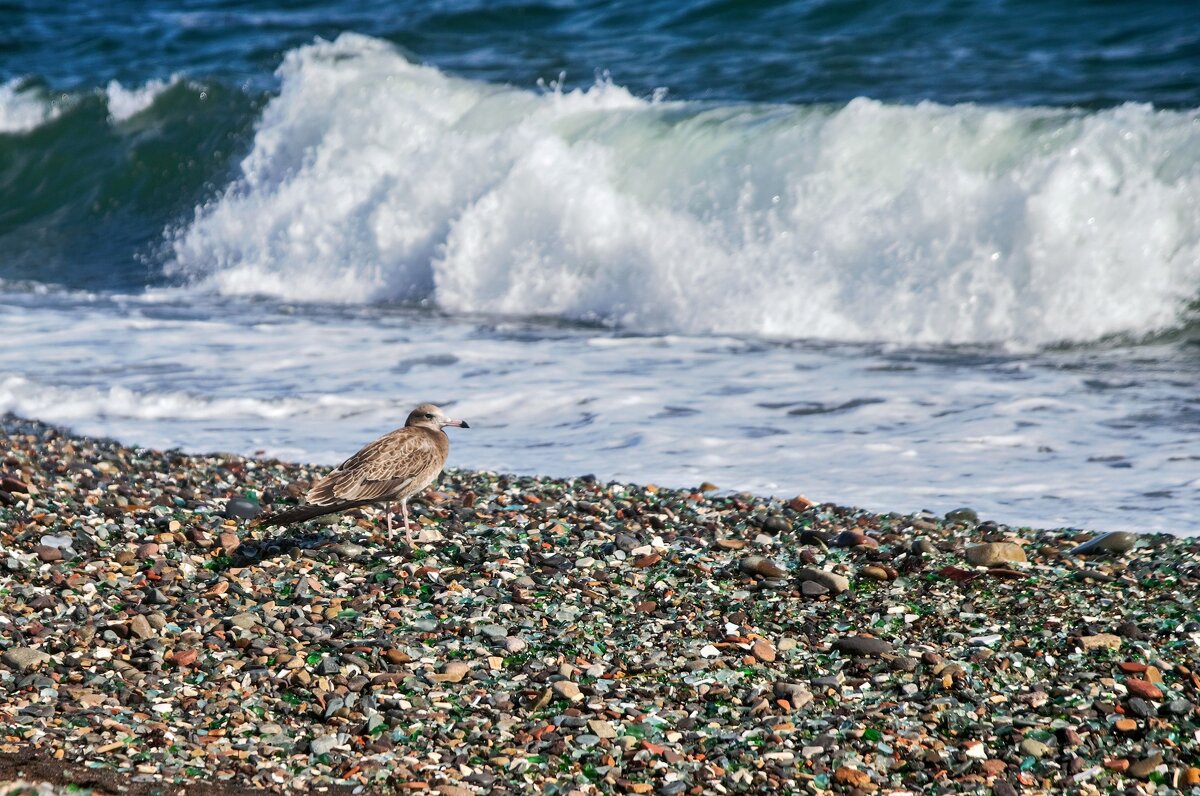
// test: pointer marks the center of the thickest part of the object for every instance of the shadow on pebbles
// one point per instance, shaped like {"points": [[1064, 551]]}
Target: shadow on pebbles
{"points": [[569, 636]]}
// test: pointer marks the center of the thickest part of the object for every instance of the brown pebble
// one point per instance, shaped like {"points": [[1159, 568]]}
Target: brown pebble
{"points": [[852, 777], [874, 572], [758, 565], [452, 672], [800, 503], [396, 656], [1100, 641], [1125, 725], [648, 561], [49, 554], [854, 538], [140, 627], [1142, 688], [229, 542], [992, 553], [763, 650]]}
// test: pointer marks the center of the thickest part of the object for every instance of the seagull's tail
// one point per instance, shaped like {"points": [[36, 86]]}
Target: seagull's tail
{"points": [[302, 513]]}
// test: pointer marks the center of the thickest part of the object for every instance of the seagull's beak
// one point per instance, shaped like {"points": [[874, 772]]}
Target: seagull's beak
{"points": [[457, 423]]}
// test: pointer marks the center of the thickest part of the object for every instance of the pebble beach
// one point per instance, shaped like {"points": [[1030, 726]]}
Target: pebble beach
{"points": [[569, 636]]}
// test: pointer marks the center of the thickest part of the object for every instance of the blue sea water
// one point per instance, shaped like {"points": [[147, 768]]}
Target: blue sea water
{"points": [[897, 255]]}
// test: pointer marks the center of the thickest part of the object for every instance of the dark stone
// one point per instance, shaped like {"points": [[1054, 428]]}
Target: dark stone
{"points": [[923, 547], [815, 539], [772, 525], [9, 484], [1178, 707], [862, 645], [1130, 630], [1115, 542], [1144, 767], [964, 515], [241, 509], [1003, 788], [1141, 708]]}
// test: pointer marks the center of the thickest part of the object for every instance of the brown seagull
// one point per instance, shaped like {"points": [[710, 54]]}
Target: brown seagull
{"points": [[394, 467]]}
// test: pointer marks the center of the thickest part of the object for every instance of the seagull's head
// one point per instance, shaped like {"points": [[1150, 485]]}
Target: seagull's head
{"points": [[429, 416]]}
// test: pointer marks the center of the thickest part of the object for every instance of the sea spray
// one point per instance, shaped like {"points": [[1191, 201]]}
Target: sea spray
{"points": [[375, 179]]}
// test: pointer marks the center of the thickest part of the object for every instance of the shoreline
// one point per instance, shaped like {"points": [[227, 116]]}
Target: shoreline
{"points": [[603, 638]]}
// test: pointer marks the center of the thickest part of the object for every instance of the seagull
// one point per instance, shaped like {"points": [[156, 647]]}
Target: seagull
{"points": [[394, 467]]}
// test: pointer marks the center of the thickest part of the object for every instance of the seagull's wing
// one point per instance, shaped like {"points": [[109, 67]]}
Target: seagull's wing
{"points": [[388, 466]]}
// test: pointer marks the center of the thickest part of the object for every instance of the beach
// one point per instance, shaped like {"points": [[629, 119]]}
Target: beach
{"points": [[570, 636]]}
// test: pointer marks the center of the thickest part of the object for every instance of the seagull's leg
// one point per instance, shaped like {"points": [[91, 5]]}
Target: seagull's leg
{"points": [[407, 531], [389, 510]]}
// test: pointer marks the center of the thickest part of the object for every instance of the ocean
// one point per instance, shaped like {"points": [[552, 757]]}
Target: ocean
{"points": [[895, 256]]}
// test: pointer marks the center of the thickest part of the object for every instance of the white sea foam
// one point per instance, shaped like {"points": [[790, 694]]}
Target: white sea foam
{"points": [[23, 107], [65, 404], [125, 103], [372, 179]]}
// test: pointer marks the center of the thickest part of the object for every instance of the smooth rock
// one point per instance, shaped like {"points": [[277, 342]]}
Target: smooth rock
{"points": [[875, 572], [567, 690], [990, 554], [811, 588], [1145, 767], [49, 554], [1143, 688], [854, 538], [830, 580], [601, 728], [242, 509], [795, 693], [1035, 748], [24, 659], [1141, 708], [965, 515], [494, 632], [349, 550], [763, 651], [1178, 707], [759, 565], [452, 672], [865, 646], [776, 524], [323, 744], [140, 627], [397, 657], [924, 547], [1113, 542]]}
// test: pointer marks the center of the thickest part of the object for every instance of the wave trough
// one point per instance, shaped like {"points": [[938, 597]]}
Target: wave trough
{"points": [[373, 179]]}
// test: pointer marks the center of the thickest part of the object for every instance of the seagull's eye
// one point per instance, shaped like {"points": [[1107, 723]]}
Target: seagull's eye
{"points": [[429, 416]]}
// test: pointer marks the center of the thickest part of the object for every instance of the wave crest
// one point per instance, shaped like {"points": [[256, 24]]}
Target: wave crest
{"points": [[376, 179]]}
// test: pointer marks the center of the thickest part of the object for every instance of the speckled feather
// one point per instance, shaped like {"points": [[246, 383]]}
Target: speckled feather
{"points": [[395, 466]]}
